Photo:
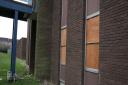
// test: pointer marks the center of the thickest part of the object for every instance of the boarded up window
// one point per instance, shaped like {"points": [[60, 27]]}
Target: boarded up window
{"points": [[92, 48], [63, 46], [63, 32], [92, 56], [92, 6]]}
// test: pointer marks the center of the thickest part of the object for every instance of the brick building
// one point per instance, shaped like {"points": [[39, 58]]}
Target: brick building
{"points": [[79, 42], [5, 44]]}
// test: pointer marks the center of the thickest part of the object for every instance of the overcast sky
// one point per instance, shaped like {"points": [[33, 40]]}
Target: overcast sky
{"points": [[6, 26]]}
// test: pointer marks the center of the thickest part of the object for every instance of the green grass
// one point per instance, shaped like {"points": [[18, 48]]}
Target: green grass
{"points": [[20, 70]]}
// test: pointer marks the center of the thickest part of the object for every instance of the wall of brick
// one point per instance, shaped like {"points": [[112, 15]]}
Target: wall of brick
{"points": [[114, 42], [91, 78], [47, 51], [31, 40], [43, 40], [74, 42], [55, 55], [62, 72]]}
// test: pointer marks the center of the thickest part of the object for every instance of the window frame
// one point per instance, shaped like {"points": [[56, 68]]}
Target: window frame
{"points": [[90, 16]]}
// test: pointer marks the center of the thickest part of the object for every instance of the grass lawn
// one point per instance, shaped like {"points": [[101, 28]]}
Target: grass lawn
{"points": [[20, 70]]}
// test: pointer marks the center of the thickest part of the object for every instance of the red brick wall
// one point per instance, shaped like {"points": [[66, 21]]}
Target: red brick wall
{"points": [[55, 55], [43, 40], [114, 42], [74, 42]]}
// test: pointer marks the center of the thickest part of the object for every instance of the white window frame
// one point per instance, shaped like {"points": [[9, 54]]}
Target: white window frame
{"points": [[92, 70], [93, 15]]}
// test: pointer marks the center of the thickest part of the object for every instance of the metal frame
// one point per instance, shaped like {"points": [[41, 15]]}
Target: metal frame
{"points": [[16, 6], [14, 42], [24, 2]]}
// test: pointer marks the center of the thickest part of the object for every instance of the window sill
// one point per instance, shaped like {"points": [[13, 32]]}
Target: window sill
{"points": [[92, 70]]}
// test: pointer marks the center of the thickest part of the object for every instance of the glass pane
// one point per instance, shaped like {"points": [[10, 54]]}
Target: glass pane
{"points": [[64, 12], [92, 6]]}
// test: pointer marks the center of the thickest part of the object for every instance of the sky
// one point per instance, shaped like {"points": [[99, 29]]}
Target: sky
{"points": [[6, 27]]}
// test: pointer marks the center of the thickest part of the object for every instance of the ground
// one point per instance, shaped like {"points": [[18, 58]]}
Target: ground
{"points": [[26, 79]]}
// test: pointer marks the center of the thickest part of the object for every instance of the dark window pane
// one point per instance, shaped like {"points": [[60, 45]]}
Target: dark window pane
{"points": [[92, 6], [64, 13]]}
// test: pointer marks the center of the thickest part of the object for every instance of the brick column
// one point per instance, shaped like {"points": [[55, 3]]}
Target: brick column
{"points": [[55, 66], [74, 42], [43, 40]]}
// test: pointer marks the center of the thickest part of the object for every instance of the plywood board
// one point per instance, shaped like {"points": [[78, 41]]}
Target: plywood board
{"points": [[63, 55], [93, 30], [92, 57], [63, 37]]}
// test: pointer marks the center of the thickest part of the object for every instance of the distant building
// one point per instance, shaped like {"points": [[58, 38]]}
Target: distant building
{"points": [[5, 44]]}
